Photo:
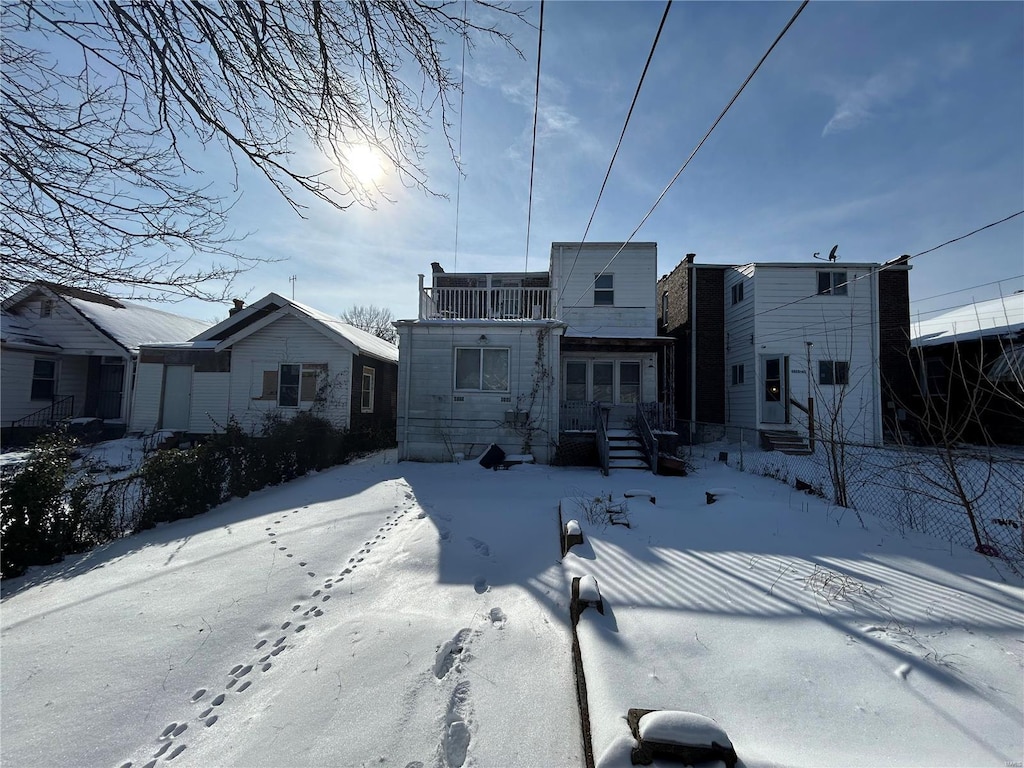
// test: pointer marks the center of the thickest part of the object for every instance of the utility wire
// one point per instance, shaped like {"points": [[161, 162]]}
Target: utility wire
{"points": [[618, 145], [890, 264], [696, 149], [462, 112], [533, 148], [773, 339]]}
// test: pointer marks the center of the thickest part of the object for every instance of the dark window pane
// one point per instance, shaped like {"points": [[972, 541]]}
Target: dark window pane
{"points": [[575, 381], [288, 389], [824, 282], [467, 369]]}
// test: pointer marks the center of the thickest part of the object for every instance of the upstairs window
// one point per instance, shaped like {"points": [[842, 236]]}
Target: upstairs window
{"points": [[664, 308], [44, 379], [738, 374], [604, 292], [737, 293], [482, 370], [833, 373], [46, 307], [832, 284]]}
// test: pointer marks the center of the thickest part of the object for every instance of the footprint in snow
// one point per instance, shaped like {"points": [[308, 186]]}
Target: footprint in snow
{"points": [[202, 691], [480, 546], [449, 653], [480, 585], [498, 618]]}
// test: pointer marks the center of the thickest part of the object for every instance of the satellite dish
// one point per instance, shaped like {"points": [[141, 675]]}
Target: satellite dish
{"points": [[832, 255]]}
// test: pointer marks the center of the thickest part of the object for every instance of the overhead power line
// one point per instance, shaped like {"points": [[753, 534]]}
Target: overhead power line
{"points": [[892, 264], [618, 145], [697, 148], [533, 148]]}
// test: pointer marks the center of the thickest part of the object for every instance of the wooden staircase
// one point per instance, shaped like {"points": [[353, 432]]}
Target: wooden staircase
{"points": [[625, 451], [784, 441]]}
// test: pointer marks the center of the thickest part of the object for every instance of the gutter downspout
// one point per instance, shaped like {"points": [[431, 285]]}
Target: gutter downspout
{"points": [[693, 349], [405, 345], [876, 384]]}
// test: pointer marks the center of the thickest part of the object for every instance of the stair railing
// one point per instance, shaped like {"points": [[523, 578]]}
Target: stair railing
{"points": [[647, 438], [58, 410], [602, 439]]}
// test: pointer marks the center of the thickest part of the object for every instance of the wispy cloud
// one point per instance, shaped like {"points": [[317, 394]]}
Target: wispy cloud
{"points": [[860, 104]]}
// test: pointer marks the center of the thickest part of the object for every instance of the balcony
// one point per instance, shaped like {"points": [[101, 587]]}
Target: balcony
{"points": [[486, 297]]}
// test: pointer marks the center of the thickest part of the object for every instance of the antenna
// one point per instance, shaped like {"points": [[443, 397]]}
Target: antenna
{"points": [[292, 280], [832, 255]]}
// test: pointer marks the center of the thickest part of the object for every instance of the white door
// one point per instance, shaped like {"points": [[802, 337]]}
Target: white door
{"points": [[177, 399], [774, 389]]}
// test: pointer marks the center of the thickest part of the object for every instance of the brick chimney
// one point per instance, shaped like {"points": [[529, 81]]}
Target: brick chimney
{"points": [[239, 306]]}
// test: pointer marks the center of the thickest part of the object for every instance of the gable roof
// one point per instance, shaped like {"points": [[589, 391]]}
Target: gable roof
{"points": [[984, 319], [126, 323], [261, 313], [15, 332]]}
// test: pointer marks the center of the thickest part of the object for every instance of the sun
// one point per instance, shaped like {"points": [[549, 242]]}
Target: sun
{"points": [[365, 163]]}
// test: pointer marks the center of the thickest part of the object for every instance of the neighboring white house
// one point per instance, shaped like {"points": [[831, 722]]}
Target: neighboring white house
{"points": [[275, 356], [520, 359], [757, 341], [69, 353]]}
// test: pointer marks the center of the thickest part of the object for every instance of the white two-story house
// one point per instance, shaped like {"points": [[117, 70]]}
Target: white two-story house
{"points": [[534, 362], [775, 347]]}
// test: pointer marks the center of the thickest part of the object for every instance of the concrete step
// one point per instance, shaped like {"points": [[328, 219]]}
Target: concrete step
{"points": [[630, 453], [627, 464]]}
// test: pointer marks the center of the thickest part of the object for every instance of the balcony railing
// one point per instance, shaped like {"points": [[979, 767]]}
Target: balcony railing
{"points": [[484, 303]]}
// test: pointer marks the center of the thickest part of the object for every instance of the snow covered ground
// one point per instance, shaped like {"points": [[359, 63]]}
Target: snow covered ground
{"points": [[416, 615]]}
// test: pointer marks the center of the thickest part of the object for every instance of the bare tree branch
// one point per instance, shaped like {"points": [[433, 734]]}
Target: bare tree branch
{"points": [[108, 108]]}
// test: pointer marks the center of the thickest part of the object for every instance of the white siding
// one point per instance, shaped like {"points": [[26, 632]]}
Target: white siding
{"points": [[149, 381], [76, 335], [634, 280], [841, 328], [16, 384], [210, 409], [72, 374], [435, 421], [287, 340], [740, 399]]}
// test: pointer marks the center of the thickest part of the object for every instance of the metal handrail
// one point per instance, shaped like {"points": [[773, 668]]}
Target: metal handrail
{"points": [[647, 439], [48, 414], [602, 439]]}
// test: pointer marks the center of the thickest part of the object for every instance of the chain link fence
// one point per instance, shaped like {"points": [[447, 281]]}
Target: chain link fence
{"points": [[971, 496]]}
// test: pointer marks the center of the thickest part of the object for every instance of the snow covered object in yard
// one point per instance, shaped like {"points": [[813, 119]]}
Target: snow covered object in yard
{"points": [[684, 736]]}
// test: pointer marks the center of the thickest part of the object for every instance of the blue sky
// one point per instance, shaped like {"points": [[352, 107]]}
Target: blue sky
{"points": [[887, 128]]}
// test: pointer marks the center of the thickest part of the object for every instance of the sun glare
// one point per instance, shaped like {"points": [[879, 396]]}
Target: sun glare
{"points": [[365, 163]]}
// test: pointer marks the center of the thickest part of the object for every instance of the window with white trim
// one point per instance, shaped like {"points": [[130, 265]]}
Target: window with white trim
{"points": [[833, 373], [291, 384], [738, 374], [481, 369], [366, 394], [737, 293], [832, 284], [604, 290], [44, 379]]}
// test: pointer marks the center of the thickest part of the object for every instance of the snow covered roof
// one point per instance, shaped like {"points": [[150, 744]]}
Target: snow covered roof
{"points": [[996, 317], [133, 324], [127, 324], [14, 331], [365, 342], [248, 320]]}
